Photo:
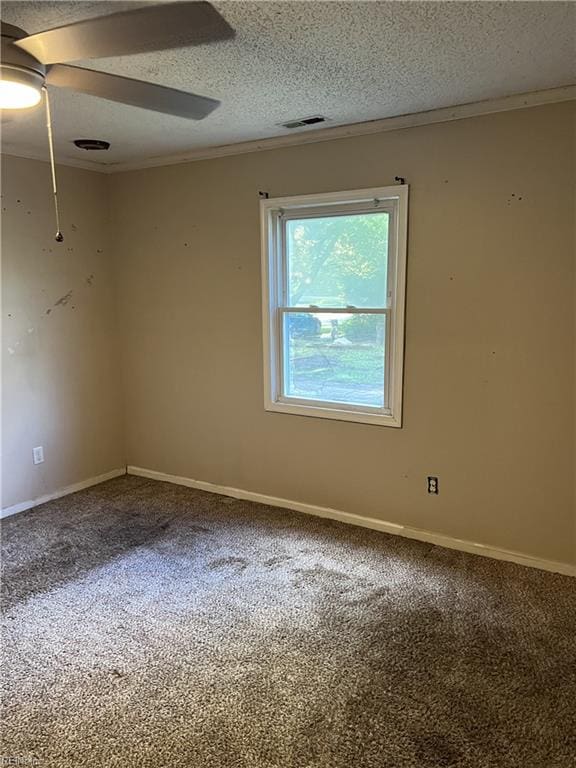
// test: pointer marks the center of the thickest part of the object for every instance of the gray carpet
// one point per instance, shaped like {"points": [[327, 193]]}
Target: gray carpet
{"points": [[148, 624]]}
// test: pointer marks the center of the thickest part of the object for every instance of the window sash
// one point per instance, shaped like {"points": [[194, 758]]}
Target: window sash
{"points": [[328, 211], [312, 309], [323, 211], [342, 208], [283, 347]]}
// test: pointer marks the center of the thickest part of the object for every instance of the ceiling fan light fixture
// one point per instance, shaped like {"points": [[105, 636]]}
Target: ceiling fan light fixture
{"points": [[19, 88]]}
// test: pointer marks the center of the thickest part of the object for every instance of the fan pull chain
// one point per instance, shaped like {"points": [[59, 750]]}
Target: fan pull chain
{"points": [[59, 236]]}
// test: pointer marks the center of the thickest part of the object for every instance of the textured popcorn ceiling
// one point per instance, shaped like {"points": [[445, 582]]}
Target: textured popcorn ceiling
{"points": [[350, 61]]}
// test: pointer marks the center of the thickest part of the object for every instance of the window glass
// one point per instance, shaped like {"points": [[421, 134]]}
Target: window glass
{"points": [[335, 357], [337, 261]]}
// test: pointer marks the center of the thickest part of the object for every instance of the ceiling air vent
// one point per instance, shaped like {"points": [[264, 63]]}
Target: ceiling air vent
{"points": [[92, 144], [303, 122]]}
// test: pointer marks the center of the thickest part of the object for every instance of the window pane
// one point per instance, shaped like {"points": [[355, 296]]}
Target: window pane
{"points": [[335, 357], [337, 261]]}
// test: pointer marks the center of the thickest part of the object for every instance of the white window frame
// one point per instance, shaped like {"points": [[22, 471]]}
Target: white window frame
{"points": [[274, 212]]}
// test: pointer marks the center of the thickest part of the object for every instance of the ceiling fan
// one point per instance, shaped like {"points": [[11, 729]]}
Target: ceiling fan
{"points": [[29, 62]]}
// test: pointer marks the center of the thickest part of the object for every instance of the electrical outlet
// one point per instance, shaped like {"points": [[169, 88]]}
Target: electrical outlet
{"points": [[38, 455], [433, 485]]}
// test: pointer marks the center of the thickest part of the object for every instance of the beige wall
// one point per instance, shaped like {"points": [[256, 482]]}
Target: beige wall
{"points": [[489, 375], [60, 380], [490, 350]]}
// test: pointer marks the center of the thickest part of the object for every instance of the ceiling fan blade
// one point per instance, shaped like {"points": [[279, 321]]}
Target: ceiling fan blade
{"points": [[152, 28], [134, 92]]}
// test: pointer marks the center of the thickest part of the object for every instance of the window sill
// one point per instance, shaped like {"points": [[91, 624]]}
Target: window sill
{"points": [[382, 418]]}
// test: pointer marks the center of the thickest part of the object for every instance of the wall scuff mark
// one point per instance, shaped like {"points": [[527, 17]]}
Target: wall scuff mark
{"points": [[63, 300]]}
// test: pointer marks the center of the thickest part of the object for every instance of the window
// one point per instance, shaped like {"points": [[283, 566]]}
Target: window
{"points": [[333, 304]]}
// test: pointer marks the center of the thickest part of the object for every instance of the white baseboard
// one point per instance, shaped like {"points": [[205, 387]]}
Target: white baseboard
{"points": [[24, 505], [367, 522]]}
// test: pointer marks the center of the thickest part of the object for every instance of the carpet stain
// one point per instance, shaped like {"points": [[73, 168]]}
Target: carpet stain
{"points": [[277, 560], [237, 564], [320, 573], [434, 750]]}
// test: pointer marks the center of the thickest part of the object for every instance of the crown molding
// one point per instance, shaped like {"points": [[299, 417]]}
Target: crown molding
{"points": [[447, 114], [316, 135], [66, 162]]}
